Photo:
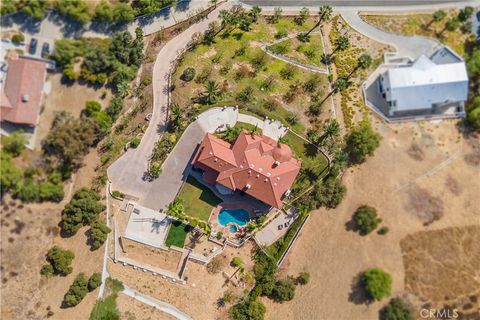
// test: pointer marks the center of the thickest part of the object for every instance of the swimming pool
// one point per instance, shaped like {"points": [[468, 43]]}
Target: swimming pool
{"points": [[237, 216], [232, 229]]}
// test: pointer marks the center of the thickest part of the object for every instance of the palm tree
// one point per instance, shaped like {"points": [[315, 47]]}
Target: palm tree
{"points": [[231, 134], [438, 16], [342, 43], [341, 84], [451, 25], [255, 12], [175, 208], [212, 91], [363, 62], [324, 14], [226, 18], [176, 115], [331, 130]]}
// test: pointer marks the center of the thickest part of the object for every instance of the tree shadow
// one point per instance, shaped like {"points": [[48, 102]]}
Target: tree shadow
{"points": [[357, 294], [351, 225]]}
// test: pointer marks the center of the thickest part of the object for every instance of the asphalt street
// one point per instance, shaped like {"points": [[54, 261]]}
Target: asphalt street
{"points": [[346, 3]]}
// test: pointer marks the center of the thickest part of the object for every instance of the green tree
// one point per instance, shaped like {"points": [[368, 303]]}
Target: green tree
{"points": [[324, 15], [188, 74], [465, 14], [284, 290], [473, 114], [74, 9], [438, 16], [248, 310], [47, 270], [175, 208], [60, 260], [92, 107], [364, 62], [84, 208], [342, 43], [362, 142], [303, 16], [49, 191], [212, 91], [396, 309], [366, 219], [8, 7], [66, 50], [328, 193], [255, 13], [99, 232], [123, 12], [94, 281], [451, 25], [236, 262], [77, 291], [277, 14], [331, 130], [105, 309], [10, 175], [35, 8], [104, 12], [377, 283], [14, 143]]}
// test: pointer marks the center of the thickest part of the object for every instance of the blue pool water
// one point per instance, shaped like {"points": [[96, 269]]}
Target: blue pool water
{"points": [[232, 229], [237, 216]]}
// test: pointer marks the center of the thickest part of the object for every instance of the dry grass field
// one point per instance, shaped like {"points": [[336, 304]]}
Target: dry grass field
{"points": [[334, 255]]}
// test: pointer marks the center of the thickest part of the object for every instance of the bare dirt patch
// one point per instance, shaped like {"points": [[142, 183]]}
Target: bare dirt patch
{"points": [[132, 309], [442, 267], [167, 260], [424, 206]]}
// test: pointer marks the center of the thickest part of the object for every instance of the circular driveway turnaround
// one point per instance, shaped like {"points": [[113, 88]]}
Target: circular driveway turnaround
{"points": [[346, 3]]}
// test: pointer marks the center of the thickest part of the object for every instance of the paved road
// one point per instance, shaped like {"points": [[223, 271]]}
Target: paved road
{"points": [[345, 3], [55, 26], [406, 46], [126, 174], [160, 305]]}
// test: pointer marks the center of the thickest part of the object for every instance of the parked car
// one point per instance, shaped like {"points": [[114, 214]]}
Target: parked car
{"points": [[33, 46], [45, 50]]}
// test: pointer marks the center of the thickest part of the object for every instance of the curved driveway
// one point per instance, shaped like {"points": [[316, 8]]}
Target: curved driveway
{"points": [[126, 174]]}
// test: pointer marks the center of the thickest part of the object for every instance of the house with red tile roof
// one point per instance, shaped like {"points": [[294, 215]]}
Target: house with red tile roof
{"points": [[257, 165], [21, 94]]}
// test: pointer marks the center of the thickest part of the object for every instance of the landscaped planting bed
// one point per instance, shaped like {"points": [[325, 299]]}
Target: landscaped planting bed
{"points": [[177, 234], [303, 52]]}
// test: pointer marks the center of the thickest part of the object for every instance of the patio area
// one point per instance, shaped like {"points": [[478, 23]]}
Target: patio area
{"points": [[147, 226]]}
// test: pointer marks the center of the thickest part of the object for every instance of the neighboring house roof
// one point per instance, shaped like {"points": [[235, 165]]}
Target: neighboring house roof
{"points": [[22, 93], [441, 79], [257, 165]]}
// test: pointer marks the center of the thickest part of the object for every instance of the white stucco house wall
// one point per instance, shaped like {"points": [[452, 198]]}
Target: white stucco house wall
{"points": [[427, 85]]}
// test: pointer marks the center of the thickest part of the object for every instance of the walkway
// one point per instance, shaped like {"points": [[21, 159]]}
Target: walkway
{"points": [[160, 305], [406, 46]]}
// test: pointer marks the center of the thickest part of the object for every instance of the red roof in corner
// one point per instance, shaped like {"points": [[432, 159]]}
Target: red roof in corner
{"points": [[22, 93], [257, 165]]}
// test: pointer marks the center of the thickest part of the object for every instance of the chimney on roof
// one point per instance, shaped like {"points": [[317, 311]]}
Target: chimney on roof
{"points": [[25, 98], [248, 186], [276, 163]]}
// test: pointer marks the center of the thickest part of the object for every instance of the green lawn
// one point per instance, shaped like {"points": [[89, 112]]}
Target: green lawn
{"points": [[311, 157], [198, 200], [177, 234]]}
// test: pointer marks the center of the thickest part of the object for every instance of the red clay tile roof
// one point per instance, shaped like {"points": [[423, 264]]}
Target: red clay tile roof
{"points": [[257, 165], [22, 94]]}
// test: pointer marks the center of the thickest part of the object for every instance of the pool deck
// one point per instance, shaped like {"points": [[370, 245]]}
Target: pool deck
{"points": [[217, 227]]}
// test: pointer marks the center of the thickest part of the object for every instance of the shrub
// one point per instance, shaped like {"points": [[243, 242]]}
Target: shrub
{"points": [[94, 281], [60, 260], [303, 278], [377, 283], [18, 38], [219, 235], [243, 71], [282, 33], [78, 290], [280, 48], [288, 72], [188, 74], [99, 232], [92, 107], [246, 95], [14, 143], [49, 191], [114, 285], [383, 230], [240, 51], [204, 75], [236, 262], [46, 270], [10, 175], [225, 69], [155, 169], [284, 290], [259, 61], [366, 219], [135, 142], [395, 310], [312, 83], [106, 309], [271, 104], [117, 194]]}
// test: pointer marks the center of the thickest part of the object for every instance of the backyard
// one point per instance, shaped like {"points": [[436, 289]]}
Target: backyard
{"points": [[198, 200], [177, 234]]}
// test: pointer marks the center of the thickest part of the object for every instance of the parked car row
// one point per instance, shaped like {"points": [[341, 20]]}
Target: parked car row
{"points": [[32, 49]]}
